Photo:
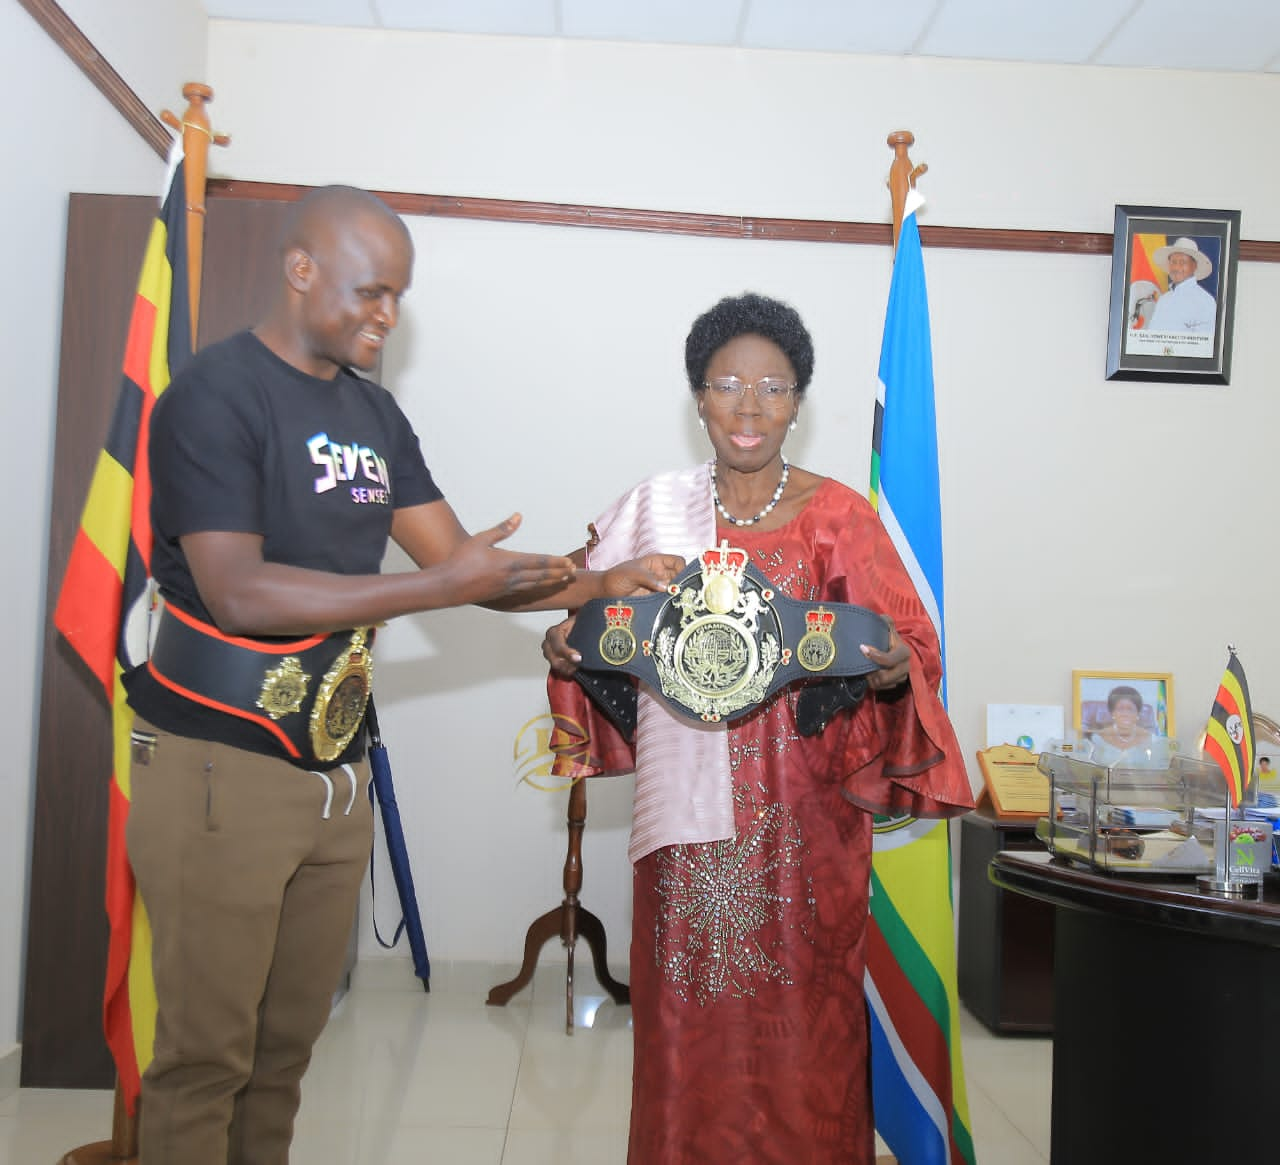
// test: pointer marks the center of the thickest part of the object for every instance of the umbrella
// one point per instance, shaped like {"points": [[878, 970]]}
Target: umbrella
{"points": [[397, 852]]}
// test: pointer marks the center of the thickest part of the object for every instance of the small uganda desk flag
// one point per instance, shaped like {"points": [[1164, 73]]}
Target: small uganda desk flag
{"points": [[1229, 736]]}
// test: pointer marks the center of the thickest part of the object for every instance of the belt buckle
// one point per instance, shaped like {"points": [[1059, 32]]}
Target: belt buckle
{"points": [[717, 641]]}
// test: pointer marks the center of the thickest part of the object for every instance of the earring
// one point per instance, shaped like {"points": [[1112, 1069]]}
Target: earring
{"points": [[791, 428], [703, 422]]}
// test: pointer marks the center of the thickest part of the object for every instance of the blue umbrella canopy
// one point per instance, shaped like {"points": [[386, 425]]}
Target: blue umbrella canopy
{"points": [[383, 789]]}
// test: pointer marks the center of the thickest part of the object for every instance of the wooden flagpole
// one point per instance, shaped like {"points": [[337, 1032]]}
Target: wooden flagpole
{"points": [[122, 1149], [902, 179], [902, 176], [196, 139]]}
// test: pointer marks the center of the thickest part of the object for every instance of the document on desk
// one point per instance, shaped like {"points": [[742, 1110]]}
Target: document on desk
{"points": [[1031, 726]]}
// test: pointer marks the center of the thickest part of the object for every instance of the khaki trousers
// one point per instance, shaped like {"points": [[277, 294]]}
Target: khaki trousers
{"points": [[250, 869]]}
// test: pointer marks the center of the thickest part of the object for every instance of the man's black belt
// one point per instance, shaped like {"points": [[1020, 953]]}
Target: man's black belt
{"points": [[720, 640], [310, 694]]}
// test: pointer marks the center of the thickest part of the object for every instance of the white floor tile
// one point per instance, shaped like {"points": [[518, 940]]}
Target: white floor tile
{"points": [[1010, 1086], [41, 1125], [389, 1145], [544, 1147], [402, 1076], [574, 1083]]}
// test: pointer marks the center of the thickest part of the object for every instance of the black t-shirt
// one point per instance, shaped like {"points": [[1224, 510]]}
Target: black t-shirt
{"points": [[243, 442]]}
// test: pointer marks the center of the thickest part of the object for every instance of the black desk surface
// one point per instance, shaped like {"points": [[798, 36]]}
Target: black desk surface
{"points": [[1172, 902]]}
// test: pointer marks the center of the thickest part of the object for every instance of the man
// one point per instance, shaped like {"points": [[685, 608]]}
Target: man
{"points": [[278, 476], [1186, 306]]}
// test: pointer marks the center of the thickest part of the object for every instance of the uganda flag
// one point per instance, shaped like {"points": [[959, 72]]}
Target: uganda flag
{"points": [[1229, 736], [107, 582]]}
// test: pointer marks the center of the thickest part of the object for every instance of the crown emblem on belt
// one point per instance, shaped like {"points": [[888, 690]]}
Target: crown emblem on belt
{"points": [[722, 572], [618, 642], [816, 650], [820, 620]]}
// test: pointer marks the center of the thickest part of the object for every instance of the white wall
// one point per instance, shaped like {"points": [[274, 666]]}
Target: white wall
{"points": [[1088, 524], [542, 365], [58, 135]]}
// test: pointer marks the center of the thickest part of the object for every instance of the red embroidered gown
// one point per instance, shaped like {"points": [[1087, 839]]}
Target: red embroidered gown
{"points": [[747, 955]]}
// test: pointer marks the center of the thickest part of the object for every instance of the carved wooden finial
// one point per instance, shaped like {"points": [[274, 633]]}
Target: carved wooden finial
{"points": [[902, 175], [196, 139]]}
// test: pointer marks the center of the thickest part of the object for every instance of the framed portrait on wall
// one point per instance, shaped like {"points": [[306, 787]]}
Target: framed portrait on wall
{"points": [[1173, 292], [1122, 710]]}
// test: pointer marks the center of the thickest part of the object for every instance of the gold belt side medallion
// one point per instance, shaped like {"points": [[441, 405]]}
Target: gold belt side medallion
{"points": [[340, 703], [284, 688], [816, 650], [618, 643]]}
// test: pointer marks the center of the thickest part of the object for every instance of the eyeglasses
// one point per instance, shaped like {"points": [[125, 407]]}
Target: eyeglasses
{"points": [[772, 392]]}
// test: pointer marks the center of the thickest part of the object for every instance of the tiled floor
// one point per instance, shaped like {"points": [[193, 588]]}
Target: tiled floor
{"points": [[401, 1077]]}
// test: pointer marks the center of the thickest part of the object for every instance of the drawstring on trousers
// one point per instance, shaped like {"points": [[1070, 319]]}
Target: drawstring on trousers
{"points": [[328, 785]]}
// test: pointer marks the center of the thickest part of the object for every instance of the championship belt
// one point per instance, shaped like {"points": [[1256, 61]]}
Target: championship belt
{"points": [[310, 694], [720, 639]]}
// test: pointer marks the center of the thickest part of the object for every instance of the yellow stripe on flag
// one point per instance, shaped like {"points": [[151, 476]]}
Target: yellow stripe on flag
{"points": [[141, 986], [913, 872], [156, 285], [107, 509]]}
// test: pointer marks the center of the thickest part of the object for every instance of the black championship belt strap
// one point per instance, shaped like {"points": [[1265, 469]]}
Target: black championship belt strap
{"points": [[310, 694], [720, 640]]}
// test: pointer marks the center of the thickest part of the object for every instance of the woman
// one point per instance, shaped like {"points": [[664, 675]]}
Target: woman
{"points": [[752, 843], [1123, 738]]}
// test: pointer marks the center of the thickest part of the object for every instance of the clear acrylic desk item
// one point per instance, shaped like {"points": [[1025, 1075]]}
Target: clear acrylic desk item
{"points": [[1131, 818], [1241, 853]]}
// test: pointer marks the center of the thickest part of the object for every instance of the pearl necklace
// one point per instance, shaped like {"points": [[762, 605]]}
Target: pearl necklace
{"points": [[773, 501]]}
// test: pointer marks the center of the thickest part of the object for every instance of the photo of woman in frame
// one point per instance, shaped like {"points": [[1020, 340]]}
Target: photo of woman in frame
{"points": [[1125, 718]]}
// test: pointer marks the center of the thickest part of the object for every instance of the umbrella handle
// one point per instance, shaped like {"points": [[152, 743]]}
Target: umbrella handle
{"points": [[371, 723]]}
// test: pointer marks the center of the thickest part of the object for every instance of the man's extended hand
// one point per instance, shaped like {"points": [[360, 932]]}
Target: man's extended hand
{"points": [[480, 571], [638, 575]]}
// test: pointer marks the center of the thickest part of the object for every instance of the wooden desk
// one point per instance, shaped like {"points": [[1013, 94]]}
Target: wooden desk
{"points": [[1005, 969], [1153, 985]]}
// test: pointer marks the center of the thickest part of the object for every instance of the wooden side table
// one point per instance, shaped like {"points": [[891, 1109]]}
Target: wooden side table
{"points": [[569, 920]]}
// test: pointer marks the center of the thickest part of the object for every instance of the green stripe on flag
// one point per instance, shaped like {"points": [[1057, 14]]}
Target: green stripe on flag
{"points": [[915, 963]]}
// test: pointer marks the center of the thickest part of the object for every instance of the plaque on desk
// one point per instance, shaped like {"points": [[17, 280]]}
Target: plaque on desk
{"points": [[1015, 787]]}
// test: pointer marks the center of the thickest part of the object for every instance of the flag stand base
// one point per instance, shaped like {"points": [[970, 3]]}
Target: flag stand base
{"points": [[567, 921], [99, 1153], [1208, 884], [122, 1149]]}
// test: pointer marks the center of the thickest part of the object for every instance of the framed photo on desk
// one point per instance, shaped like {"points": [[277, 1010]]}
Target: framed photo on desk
{"points": [[1105, 703]]}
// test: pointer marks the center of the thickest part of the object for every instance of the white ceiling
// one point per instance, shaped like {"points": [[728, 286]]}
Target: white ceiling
{"points": [[1236, 35]]}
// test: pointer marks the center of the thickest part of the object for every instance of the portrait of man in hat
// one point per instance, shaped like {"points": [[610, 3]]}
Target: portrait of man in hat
{"points": [[1186, 306]]}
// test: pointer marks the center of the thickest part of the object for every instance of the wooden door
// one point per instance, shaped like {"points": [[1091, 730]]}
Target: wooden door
{"points": [[62, 1039]]}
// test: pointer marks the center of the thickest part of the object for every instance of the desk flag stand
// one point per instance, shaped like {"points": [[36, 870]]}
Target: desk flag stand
{"points": [[1228, 739]]}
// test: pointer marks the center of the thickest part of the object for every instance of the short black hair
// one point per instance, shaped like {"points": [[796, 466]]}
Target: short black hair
{"points": [[745, 315], [1124, 692], [322, 209]]}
